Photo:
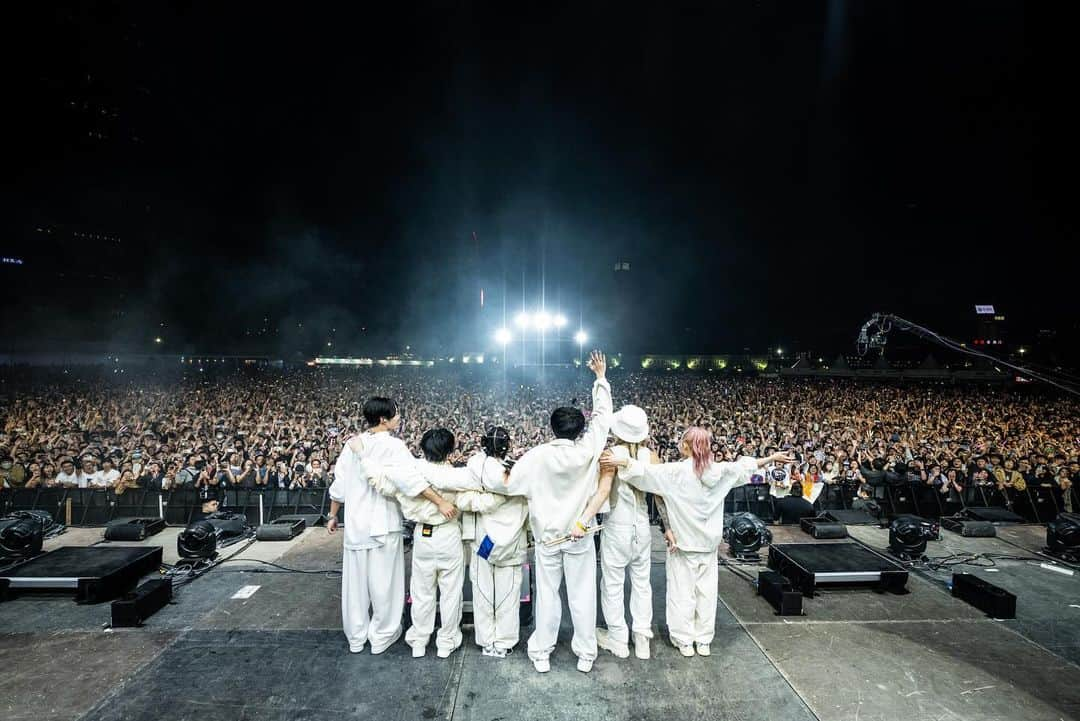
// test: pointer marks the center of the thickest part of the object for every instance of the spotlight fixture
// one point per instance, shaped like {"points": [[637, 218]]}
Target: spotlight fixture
{"points": [[908, 536], [503, 337], [581, 337], [1063, 537], [559, 320], [745, 534]]}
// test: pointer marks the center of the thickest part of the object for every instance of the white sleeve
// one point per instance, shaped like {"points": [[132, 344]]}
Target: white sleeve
{"points": [[731, 474], [651, 477], [600, 424]]}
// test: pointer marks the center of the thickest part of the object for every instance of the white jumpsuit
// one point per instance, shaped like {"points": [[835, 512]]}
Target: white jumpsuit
{"points": [[496, 580], [373, 561], [438, 568], [626, 545], [558, 479], [696, 512]]}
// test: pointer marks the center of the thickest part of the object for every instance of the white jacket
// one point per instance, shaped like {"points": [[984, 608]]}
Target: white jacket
{"points": [[561, 476], [368, 515], [695, 507], [456, 485], [504, 522]]}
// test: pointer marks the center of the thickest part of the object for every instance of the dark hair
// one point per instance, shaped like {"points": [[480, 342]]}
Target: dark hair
{"points": [[496, 442], [378, 408], [437, 444], [567, 422], [796, 489], [878, 464]]}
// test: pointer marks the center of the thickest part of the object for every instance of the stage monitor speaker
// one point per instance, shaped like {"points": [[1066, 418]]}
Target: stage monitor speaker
{"points": [[992, 514], [992, 600], [280, 530], [146, 600], [822, 528], [133, 529], [850, 518], [776, 589], [978, 529]]}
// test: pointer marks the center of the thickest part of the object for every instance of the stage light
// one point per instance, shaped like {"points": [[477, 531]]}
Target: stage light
{"points": [[198, 540], [21, 537], [542, 320], [502, 336], [745, 534], [559, 320], [522, 320], [1063, 536], [908, 536], [581, 337]]}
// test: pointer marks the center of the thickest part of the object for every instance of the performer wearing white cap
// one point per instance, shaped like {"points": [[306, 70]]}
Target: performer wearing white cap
{"points": [[693, 491], [626, 545]]}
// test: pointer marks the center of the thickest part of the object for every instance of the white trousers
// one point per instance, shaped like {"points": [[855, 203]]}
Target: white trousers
{"points": [[373, 594], [691, 597], [622, 549], [437, 565], [496, 600], [580, 571]]}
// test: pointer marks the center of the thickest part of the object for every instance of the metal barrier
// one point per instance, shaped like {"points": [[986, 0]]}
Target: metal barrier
{"points": [[97, 507]]}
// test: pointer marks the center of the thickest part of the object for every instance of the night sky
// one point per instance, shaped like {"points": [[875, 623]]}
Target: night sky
{"points": [[774, 172]]}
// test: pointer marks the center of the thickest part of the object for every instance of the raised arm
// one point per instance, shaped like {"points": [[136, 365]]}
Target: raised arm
{"points": [[600, 424]]}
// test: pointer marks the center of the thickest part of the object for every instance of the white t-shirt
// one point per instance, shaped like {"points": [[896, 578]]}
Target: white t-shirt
{"points": [[108, 478], [629, 507], [90, 480], [67, 479]]}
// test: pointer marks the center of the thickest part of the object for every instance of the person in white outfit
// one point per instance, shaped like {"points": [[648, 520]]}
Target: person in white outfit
{"points": [[438, 565], [693, 491], [626, 545], [373, 561], [498, 549], [559, 479]]}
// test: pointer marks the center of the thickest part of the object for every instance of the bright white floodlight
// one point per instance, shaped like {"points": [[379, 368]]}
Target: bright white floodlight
{"points": [[581, 337], [503, 337], [559, 320], [542, 320], [522, 320]]}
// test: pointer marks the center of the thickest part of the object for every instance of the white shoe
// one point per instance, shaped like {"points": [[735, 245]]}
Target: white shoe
{"points": [[703, 649], [356, 649], [445, 652], [641, 646], [542, 665], [391, 642], [687, 650], [606, 642], [584, 665], [419, 651]]}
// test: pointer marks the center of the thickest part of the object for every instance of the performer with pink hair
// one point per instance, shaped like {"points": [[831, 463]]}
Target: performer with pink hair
{"points": [[694, 491]]}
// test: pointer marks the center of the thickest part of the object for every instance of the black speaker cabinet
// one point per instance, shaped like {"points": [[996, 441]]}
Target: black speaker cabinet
{"points": [[776, 589], [992, 600], [822, 528], [133, 529], [280, 530], [146, 600]]}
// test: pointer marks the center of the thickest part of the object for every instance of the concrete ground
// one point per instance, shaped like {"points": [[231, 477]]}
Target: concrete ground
{"points": [[280, 654]]}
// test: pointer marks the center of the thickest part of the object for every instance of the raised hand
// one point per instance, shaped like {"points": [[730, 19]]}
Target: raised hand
{"points": [[598, 364]]}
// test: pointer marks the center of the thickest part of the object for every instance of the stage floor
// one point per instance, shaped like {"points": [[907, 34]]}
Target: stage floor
{"points": [[280, 654]]}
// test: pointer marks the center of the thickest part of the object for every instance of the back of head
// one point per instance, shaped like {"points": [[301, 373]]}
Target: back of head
{"points": [[567, 422], [796, 489], [379, 408], [437, 444], [878, 464], [699, 441], [496, 442]]}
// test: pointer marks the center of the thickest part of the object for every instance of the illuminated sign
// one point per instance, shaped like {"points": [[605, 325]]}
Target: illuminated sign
{"points": [[984, 309]]}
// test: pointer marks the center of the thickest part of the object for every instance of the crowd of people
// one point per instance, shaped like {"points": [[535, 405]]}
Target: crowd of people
{"points": [[162, 429]]}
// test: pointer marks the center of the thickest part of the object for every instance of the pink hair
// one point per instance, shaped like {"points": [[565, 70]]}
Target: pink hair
{"points": [[700, 442]]}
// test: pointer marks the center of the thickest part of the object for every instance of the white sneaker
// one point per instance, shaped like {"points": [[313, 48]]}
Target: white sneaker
{"points": [[606, 642], [703, 649], [641, 646], [445, 652], [542, 665], [356, 649], [687, 650], [419, 651], [584, 665], [391, 642]]}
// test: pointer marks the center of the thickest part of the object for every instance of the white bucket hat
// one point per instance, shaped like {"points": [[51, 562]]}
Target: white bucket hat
{"points": [[630, 424]]}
